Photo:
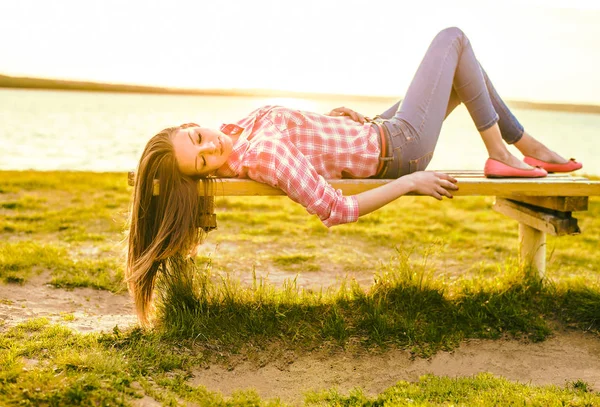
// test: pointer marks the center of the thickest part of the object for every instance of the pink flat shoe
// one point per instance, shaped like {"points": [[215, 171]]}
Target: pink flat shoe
{"points": [[569, 166], [496, 169]]}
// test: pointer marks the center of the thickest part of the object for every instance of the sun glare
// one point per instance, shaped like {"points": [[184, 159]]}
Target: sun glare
{"points": [[318, 46]]}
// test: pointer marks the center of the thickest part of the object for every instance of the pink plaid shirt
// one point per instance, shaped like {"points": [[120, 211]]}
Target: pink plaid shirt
{"points": [[297, 151]]}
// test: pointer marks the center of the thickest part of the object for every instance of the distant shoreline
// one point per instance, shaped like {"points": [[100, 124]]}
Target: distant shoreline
{"points": [[55, 84]]}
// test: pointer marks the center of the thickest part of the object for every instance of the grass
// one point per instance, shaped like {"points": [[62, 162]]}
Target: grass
{"points": [[480, 390], [68, 223], [50, 365], [19, 259], [440, 273], [406, 307]]}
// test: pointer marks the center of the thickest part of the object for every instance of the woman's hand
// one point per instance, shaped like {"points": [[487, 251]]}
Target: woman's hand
{"points": [[344, 111], [435, 184]]}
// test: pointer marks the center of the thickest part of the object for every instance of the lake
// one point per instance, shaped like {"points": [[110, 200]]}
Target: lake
{"points": [[62, 130]]}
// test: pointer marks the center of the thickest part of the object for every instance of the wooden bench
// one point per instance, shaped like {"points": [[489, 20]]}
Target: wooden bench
{"points": [[540, 205]]}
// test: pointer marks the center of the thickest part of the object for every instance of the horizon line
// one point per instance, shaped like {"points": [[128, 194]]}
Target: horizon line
{"points": [[16, 82]]}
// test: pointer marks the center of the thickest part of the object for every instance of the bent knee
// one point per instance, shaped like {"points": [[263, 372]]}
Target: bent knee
{"points": [[451, 33]]}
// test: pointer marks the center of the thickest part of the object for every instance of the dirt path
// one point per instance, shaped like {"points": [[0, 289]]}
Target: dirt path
{"points": [[92, 310], [567, 356]]}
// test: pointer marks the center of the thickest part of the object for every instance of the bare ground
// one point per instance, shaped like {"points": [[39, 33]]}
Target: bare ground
{"points": [[566, 356], [92, 310]]}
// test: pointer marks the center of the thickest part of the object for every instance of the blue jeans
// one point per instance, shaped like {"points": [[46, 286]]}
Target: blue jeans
{"points": [[448, 75]]}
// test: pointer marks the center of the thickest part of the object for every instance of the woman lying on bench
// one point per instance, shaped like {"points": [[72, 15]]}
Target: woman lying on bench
{"points": [[297, 151]]}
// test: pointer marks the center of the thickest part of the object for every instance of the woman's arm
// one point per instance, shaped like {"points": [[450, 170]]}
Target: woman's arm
{"points": [[282, 166], [435, 184]]}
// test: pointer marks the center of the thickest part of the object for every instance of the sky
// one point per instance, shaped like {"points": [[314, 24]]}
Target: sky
{"points": [[545, 51]]}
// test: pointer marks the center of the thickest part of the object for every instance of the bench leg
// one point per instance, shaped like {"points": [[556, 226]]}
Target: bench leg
{"points": [[533, 248]]}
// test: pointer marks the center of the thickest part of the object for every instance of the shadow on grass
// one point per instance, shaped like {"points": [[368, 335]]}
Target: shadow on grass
{"points": [[405, 308]]}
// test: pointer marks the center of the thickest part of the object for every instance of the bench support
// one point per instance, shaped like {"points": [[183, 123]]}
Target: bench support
{"points": [[536, 217], [532, 243]]}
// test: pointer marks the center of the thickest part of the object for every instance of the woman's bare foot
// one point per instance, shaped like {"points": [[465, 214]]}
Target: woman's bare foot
{"points": [[530, 147]]}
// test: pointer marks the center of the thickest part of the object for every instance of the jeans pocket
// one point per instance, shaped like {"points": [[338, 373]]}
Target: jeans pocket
{"points": [[421, 163], [401, 133]]}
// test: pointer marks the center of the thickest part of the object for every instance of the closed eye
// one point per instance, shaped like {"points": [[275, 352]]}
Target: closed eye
{"points": [[200, 142]]}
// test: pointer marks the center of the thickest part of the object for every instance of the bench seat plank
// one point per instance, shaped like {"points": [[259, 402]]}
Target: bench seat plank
{"points": [[468, 186], [471, 183]]}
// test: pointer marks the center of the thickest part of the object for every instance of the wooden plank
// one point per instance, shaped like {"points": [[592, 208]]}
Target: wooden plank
{"points": [[529, 187], [464, 174], [557, 203], [479, 174], [537, 218], [468, 186]]}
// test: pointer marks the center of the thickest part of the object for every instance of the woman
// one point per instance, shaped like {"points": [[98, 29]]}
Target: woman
{"points": [[296, 151]]}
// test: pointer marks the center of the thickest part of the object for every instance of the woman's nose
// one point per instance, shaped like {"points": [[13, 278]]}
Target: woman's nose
{"points": [[208, 147]]}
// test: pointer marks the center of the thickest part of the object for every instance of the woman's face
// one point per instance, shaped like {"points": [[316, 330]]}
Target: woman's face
{"points": [[200, 150]]}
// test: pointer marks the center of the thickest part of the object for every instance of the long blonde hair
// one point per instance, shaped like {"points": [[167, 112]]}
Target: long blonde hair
{"points": [[160, 226]]}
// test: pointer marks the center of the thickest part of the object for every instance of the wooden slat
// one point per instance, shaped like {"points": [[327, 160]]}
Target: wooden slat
{"points": [[536, 218], [473, 184], [479, 174], [467, 187]]}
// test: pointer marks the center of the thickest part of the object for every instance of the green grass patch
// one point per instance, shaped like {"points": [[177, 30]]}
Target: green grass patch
{"points": [[290, 259], [19, 259], [406, 307], [63, 203], [480, 390], [25, 202], [298, 262], [43, 364]]}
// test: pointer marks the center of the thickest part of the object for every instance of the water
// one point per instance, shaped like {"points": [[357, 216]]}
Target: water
{"points": [[53, 130]]}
